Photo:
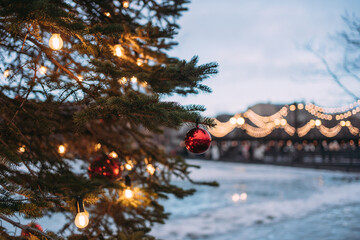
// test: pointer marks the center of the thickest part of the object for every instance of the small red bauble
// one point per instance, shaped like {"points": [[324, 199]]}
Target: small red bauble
{"points": [[105, 166], [32, 225], [197, 140]]}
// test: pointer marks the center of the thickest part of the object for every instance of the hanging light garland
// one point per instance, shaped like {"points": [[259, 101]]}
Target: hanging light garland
{"points": [[265, 125]]}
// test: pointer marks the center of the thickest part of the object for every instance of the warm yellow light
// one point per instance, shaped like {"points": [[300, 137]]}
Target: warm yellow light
{"points": [[144, 84], [128, 166], [21, 149], [97, 147], [292, 108], [55, 42], [342, 123], [240, 120], [42, 70], [61, 149], [125, 4], [150, 169], [107, 14], [128, 193], [277, 122], [347, 123], [317, 122], [82, 219], [235, 197], [243, 197], [233, 121], [139, 62], [118, 50], [283, 122], [300, 106], [113, 154], [6, 73], [122, 80], [133, 79], [80, 77]]}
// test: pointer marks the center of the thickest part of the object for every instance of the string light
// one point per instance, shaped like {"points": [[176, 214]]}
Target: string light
{"points": [[235, 197], [125, 4], [240, 121], [113, 154], [80, 77], [6, 73], [55, 42], [133, 79], [139, 62], [118, 50], [61, 149], [122, 81], [42, 70], [97, 147], [129, 166], [150, 169], [22, 149], [300, 106], [292, 108], [82, 216], [128, 193], [107, 14], [243, 196], [265, 125], [233, 121]]}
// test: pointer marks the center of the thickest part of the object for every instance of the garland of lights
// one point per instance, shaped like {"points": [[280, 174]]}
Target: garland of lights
{"points": [[265, 125]]}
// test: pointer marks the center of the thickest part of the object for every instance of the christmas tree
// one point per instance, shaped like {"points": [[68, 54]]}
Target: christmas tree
{"points": [[81, 104]]}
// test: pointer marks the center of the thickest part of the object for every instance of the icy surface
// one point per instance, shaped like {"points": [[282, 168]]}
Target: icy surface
{"points": [[282, 203]]}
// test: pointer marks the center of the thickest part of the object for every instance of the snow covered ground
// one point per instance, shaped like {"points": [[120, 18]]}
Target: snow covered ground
{"points": [[280, 203]]}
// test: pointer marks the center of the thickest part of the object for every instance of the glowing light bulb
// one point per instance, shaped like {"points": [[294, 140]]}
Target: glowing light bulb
{"points": [[139, 62], [125, 4], [6, 73], [21, 149], [243, 197], [55, 42], [342, 123], [292, 107], [128, 193], [128, 166], [233, 121], [240, 120], [97, 147], [82, 219], [283, 122], [144, 84], [61, 149], [317, 122], [235, 197], [347, 123], [277, 122], [117, 50], [150, 169], [133, 79], [42, 70], [107, 14], [80, 77], [300, 106], [113, 154], [122, 80]]}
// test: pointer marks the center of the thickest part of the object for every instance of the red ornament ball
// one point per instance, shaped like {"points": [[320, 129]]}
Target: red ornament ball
{"points": [[197, 140], [105, 166], [32, 225]]}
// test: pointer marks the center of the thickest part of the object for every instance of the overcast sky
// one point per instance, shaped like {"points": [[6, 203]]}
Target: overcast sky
{"points": [[260, 47]]}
